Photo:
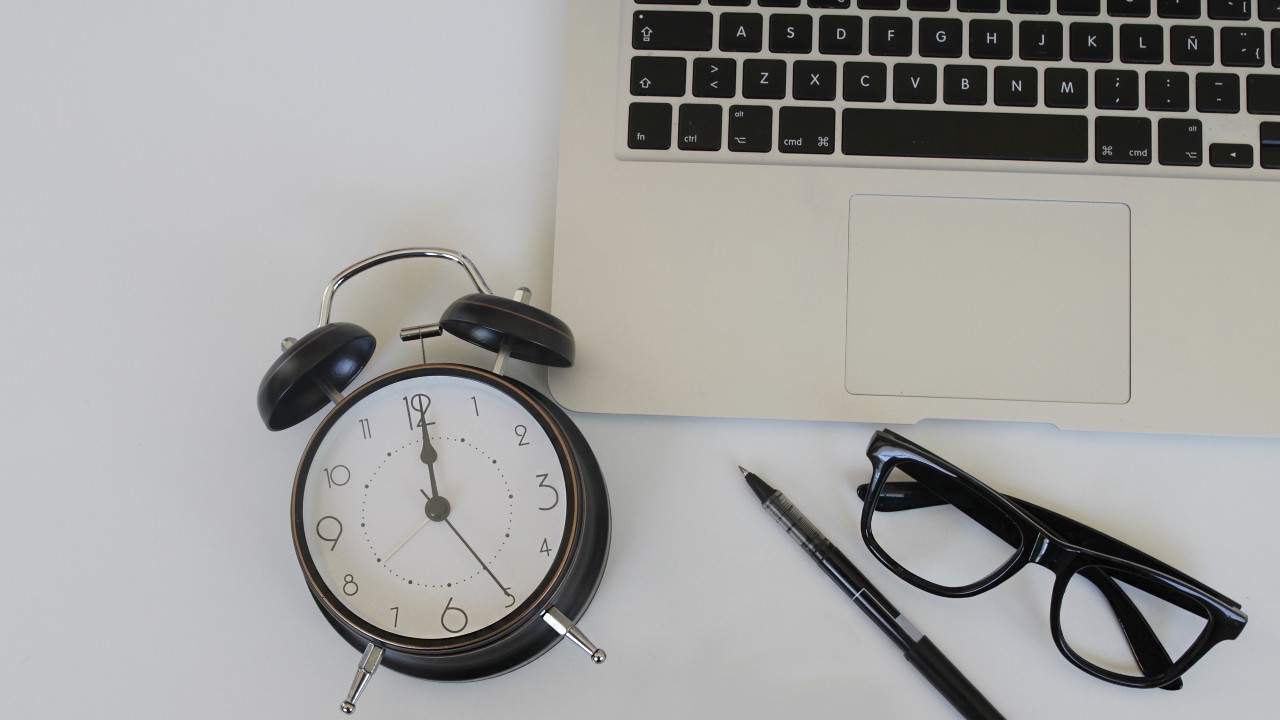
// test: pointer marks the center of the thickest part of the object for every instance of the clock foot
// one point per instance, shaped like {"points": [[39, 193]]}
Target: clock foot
{"points": [[368, 664], [565, 627]]}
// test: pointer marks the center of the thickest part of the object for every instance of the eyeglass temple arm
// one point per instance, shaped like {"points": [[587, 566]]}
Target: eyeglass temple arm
{"points": [[1146, 648]]}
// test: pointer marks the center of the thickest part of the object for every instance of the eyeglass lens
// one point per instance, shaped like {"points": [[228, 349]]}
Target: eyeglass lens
{"points": [[953, 543], [1090, 627]]}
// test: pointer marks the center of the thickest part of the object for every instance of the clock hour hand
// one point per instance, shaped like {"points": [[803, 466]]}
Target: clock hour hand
{"points": [[429, 455]]}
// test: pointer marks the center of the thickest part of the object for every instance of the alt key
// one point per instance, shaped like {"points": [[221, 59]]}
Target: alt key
{"points": [[1231, 155]]}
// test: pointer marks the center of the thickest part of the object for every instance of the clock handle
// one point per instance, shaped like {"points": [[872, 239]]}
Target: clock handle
{"points": [[368, 665], [565, 627], [326, 300]]}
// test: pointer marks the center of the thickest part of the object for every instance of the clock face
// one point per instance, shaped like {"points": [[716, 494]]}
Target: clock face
{"points": [[433, 506]]}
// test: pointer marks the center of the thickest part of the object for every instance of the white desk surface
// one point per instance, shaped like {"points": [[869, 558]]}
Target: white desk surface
{"points": [[178, 182]]}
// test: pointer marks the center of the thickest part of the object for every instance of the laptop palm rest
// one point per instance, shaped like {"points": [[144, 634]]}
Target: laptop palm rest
{"points": [[988, 299]]}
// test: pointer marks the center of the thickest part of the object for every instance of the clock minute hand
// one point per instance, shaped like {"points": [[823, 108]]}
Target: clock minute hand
{"points": [[505, 590]]}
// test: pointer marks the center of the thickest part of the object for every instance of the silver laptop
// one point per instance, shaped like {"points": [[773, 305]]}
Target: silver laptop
{"points": [[1060, 211]]}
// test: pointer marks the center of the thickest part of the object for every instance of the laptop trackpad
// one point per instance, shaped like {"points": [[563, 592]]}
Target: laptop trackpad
{"points": [[988, 299]]}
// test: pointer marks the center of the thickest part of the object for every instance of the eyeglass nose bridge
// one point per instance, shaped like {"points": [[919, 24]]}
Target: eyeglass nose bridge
{"points": [[1060, 558]]}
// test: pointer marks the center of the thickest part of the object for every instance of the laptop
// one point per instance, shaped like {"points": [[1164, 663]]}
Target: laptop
{"points": [[1052, 211]]}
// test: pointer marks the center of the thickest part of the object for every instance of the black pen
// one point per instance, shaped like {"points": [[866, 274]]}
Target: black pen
{"points": [[919, 650]]}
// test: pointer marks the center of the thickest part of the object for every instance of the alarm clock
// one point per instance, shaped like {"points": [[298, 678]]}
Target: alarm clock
{"points": [[450, 522]]}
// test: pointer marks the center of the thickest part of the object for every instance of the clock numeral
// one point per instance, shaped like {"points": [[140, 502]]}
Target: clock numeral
{"points": [[349, 586], [365, 429], [476, 403], [338, 475], [444, 622], [542, 482], [334, 527], [521, 431], [395, 619], [545, 549], [416, 409]]}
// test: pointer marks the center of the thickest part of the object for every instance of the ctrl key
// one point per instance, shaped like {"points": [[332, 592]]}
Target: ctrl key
{"points": [[1125, 140], [1269, 154]]}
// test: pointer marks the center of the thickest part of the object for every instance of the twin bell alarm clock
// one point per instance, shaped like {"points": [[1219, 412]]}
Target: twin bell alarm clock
{"points": [[451, 523]]}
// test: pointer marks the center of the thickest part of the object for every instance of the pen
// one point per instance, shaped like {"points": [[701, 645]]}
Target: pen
{"points": [[918, 649]]}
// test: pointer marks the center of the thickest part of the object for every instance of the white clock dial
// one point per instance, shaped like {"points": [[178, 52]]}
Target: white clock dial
{"points": [[433, 507]]}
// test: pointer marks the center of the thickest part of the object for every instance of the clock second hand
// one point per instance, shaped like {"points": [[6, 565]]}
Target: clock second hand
{"points": [[505, 589], [437, 509]]}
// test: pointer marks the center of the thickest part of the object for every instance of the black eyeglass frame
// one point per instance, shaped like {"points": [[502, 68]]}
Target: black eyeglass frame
{"points": [[1065, 547]]}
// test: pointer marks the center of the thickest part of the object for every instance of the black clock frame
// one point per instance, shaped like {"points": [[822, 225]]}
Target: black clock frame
{"points": [[522, 635]]}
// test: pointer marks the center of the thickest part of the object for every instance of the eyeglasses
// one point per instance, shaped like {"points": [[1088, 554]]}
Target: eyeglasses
{"points": [[1116, 612]]}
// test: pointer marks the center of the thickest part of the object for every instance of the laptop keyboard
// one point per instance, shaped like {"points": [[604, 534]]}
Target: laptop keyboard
{"points": [[1169, 87]]}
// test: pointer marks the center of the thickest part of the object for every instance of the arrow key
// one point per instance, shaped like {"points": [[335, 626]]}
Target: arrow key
{"points": [[1231, 155], [715, 77]]}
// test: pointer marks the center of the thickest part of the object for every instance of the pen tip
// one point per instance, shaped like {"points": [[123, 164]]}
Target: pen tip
{"points": [[758, 486], [744, 470]]}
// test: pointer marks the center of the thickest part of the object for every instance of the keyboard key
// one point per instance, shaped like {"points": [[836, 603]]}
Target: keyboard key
{"points": [[840, 35], [1242, 47], [779, 3], [699, 127], [1122, 140], [1269, 145], [1141, 43], [813, 80], [1218, 92], [657, 76], [889, 36], [1181, 142], [750, 128], [1028, 7], [1168, 91], [978, 6], [1263, 94], [739, 3], [1116, 89], [1129, 8], [1231, 155], [764, 79], [715, 77], [790, 33], [1229, 9], [1039, 40], [1178, 9], [865, 82], [915, 83], [1017, 86], [1269, 10], [964, 85], [1091, 42], [1066, 88], [1191, 45], [649, 126], [668, 2], [897, 132], [833, 4], [929, 5], [808, 130], [1079, 7], [671, 30], [879, 4], [941, 37], [741, 32], [991, 39]]}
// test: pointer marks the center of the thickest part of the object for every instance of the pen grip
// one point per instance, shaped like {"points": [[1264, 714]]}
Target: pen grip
{"points": [[948, 680]]}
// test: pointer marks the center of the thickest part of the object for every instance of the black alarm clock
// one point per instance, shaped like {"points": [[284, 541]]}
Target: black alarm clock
{"points": [[450, 522]]}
